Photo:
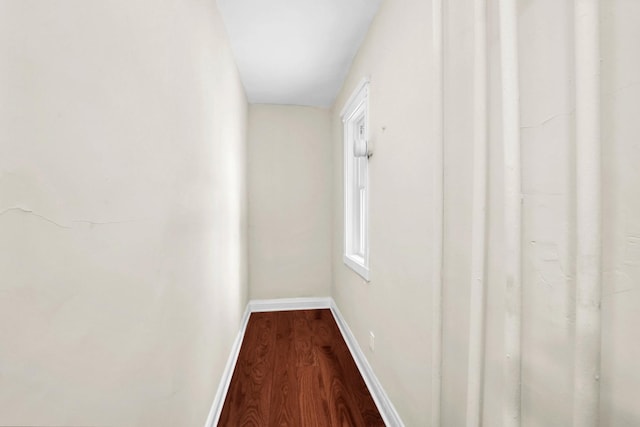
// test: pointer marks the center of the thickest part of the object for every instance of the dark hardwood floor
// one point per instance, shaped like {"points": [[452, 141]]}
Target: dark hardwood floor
{"points": [[294, 369]]}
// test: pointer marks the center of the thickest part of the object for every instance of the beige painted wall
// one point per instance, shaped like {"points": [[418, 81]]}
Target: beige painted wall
{"points": [[289, 179], [395, 305], [621, 220], [122, 211], [458, 178]]}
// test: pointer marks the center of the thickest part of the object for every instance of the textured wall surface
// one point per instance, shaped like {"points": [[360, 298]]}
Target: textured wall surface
{"points": [[122, 211], [396, 304]]}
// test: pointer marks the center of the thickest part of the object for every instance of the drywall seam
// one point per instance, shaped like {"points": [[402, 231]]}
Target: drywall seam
{"points": [[513, 211], [589, 213], [438, 209], [479, 219], [29, 211]]}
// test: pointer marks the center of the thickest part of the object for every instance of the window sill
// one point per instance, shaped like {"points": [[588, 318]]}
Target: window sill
{"points": [[357, 265]]}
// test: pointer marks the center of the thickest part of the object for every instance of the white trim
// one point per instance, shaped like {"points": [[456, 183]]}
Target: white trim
{"points": [[285, 304], [356, 266], [355, 110], [588, 327], [512, 213], [380, 398], [223, 386], [477, 306], [385, 407], [437, 166], [355, 96]]}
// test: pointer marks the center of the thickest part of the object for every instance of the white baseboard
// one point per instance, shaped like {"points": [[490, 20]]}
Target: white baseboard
{"points": [[284, 304], [386, 408], [223, 386]]}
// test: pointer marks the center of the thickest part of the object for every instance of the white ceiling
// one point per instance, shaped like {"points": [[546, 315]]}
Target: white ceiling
{"points": [[295, 51]]}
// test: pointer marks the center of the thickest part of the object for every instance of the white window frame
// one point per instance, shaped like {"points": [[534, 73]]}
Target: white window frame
{"points": [[355, 115]]}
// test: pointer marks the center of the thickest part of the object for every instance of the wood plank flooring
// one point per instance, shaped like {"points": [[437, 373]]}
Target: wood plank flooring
{"points": [[294, 369]]}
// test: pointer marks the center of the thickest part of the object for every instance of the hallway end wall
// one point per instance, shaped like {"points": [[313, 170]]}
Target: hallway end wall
{"points": [[289, 181]]}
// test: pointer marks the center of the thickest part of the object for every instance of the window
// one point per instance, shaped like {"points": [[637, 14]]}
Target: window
{"points": [[355, 117]]}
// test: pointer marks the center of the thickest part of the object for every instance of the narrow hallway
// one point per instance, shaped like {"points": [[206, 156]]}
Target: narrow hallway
{"points": [[295, 369], [457, 181]]}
